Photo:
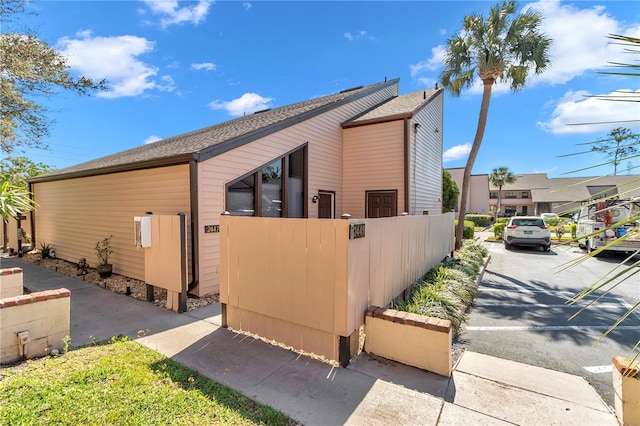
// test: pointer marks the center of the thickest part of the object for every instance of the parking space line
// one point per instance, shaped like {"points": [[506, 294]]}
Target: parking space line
{"points": [[599, 369], [542, 305], [551, 328]]}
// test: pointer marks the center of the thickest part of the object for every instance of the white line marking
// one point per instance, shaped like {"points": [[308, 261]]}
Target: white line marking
{"points": [[599, 369], [550, 328], [542, 305]]}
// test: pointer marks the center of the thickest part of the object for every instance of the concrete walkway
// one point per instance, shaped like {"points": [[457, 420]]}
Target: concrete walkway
{"points": [[372, 391]]}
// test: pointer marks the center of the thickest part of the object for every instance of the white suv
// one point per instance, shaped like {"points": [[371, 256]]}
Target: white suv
{"points": [[527, 231]]}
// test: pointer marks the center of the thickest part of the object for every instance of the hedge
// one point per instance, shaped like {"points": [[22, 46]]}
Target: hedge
{"points": [[480, 220], [469, 229]]}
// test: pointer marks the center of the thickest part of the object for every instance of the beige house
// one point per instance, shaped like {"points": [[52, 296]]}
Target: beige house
{"points": [[478, 197], [367, 152], [534, 194]]}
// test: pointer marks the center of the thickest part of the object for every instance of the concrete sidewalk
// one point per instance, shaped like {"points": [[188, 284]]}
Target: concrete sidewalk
{"points": [[371, 391]]}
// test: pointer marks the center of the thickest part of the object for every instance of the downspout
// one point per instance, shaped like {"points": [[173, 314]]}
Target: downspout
{"points": [[407, 159], [32, 216], [195, 250]]}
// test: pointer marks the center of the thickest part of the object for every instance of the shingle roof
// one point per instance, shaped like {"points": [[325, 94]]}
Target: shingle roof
{"points": [[214, 140], [402, 105]]}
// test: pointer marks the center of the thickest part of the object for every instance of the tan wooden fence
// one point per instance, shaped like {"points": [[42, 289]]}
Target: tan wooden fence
{"points": [[307, 283]]}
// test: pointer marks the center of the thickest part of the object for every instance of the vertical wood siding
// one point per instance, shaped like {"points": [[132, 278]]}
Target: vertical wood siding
{"points": [[425, 170], [304, 282], [74, 214], [323, 134], [373, 160]]}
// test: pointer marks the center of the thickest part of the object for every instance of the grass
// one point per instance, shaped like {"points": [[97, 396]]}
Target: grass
{"points": [[122, 383], [448, 290]]}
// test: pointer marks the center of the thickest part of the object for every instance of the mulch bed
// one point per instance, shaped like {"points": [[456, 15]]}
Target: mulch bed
{"points": [[116, 283]]}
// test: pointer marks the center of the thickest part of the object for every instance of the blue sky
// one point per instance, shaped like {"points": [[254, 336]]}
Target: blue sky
{"points": [[173, 67]]}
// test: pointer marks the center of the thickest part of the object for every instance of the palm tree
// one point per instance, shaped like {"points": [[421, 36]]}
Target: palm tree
{"points": [[501, 48], [499, 177]]}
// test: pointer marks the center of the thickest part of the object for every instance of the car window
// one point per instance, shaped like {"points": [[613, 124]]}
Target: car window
{"points": [[528, 222]]}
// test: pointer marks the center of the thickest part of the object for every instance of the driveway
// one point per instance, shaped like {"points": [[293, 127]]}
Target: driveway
{"points": [[521, 313]]}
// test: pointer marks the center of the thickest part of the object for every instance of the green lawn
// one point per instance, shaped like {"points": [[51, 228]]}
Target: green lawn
{"points": [[122, 383]]}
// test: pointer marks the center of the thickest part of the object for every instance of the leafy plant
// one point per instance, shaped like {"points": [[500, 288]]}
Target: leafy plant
{"points": [[447, 291], [450, 192], [498, 230], [104, 250]]}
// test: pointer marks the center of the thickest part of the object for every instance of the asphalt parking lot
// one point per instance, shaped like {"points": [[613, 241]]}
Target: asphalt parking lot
{"points": [[521, 313]]}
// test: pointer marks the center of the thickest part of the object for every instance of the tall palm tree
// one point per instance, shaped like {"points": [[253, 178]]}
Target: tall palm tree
{"points": [[499, 177], [503, 47]]}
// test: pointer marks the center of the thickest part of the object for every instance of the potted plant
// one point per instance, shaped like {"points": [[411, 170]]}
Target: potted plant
{"points": [[44, 249], [104, 250]]}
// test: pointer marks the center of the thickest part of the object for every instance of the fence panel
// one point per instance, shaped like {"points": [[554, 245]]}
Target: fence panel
{"points": [[304, 283]]}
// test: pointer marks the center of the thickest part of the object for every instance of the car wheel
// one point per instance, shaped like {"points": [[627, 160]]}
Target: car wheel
{"points": [[507, 245], [547, 248]]}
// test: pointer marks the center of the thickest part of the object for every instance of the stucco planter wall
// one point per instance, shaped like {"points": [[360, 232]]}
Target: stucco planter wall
{"points": [[411, 339], [45, 317]]}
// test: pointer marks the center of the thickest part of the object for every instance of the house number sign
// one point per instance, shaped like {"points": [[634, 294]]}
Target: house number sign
{"points": [[211, 229], [356, 230]]}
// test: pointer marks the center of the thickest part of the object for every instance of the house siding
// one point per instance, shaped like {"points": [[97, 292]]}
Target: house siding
{"points": [[373, 160], [425, 164], [73, 214], [323, 135]]}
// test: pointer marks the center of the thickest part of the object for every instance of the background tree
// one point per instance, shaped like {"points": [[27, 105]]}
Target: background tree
{"points": [[17, 170], [450, 192], [503, 47], [499, 177], [620, 144], [30, 70]]}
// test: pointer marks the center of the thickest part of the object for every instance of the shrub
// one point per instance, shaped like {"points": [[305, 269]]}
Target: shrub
{"points": [[555, 221], [468, 230], [447, 291], [480, 220], [498, 230], [573, 228], [503, 220]]}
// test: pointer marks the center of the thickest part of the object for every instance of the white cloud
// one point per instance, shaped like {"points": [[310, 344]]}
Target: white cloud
{"points": [[359, 35], [208, 66], [579, 44], [246, 104], [247, 5], [152, 139], [456, 152], [431, 64], [116, 59], [172, 14], [576, 109]]}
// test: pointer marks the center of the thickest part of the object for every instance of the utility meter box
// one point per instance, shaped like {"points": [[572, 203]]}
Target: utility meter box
{"points": [[142, 229]]}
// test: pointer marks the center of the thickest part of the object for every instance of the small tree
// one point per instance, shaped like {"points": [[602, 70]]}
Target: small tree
{"points": [[620, 144], [450, 192], [499, 177]]}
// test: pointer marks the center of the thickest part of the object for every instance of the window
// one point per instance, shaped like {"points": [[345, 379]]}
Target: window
{"points": [[510, 194], [510, 211], [493, 195], [276, 189], [241, 197], [525, 194]]}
